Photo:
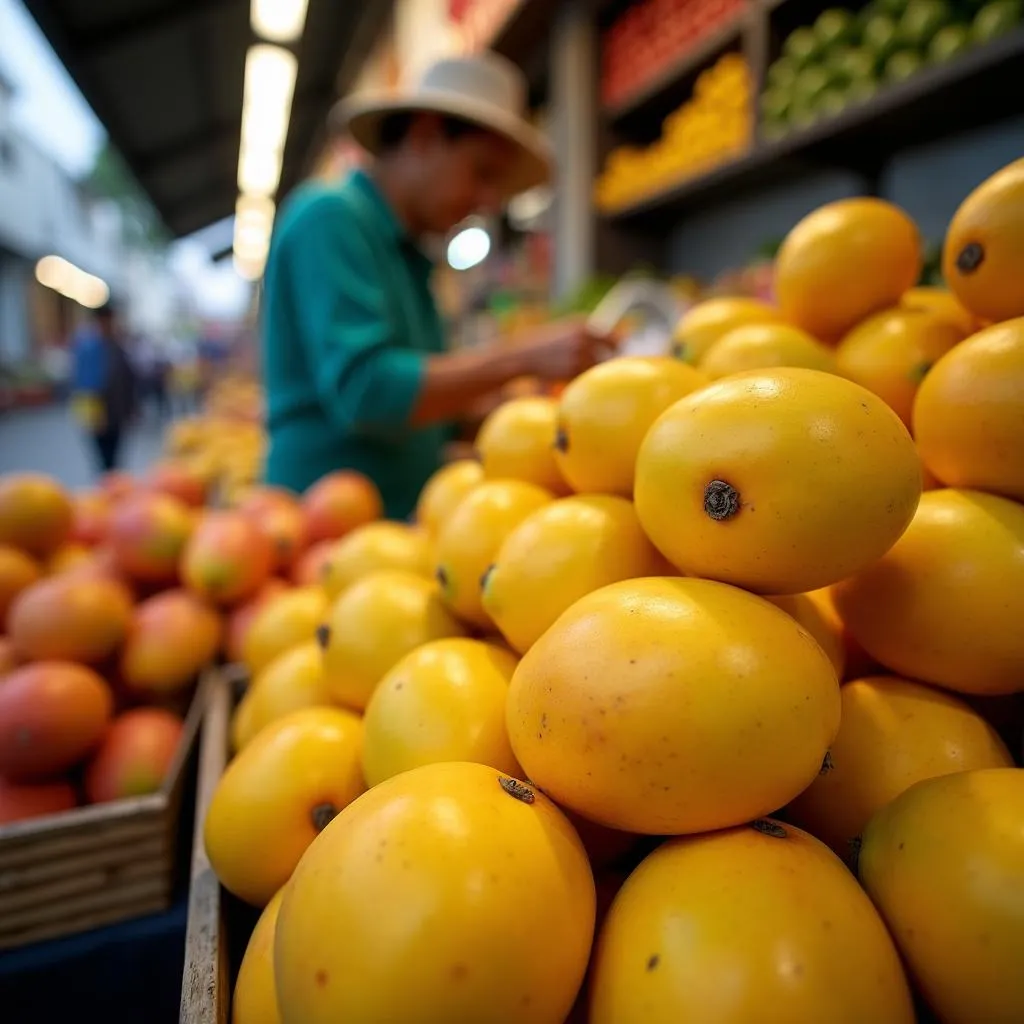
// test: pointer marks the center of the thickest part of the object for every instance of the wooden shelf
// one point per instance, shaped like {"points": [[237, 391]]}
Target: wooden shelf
{"points": [[980, 87]]}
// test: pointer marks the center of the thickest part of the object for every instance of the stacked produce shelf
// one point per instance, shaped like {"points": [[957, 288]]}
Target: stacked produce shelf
{"points": [[859, 127]]}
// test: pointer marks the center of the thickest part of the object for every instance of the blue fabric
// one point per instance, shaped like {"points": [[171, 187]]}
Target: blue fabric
{"points": [[90, 365], [348, 322]]}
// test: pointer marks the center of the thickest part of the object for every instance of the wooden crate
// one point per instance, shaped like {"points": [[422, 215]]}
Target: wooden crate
{"points": [[219, 926], [95, 865]]}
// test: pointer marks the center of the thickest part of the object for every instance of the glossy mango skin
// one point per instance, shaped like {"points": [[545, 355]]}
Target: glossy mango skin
{"points": [[604, 414], [277, 795], [444, 701], [779, 481], [944, 864], [945, 603], [761, 922], [447, 893], [893, 733], [557, 555], [666, 706]]}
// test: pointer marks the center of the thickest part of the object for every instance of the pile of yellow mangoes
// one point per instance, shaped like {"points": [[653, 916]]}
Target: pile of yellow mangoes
{"points": [[697, 696]]}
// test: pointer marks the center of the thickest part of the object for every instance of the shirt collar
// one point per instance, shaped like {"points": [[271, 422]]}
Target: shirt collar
{"points": [[384, 215]]}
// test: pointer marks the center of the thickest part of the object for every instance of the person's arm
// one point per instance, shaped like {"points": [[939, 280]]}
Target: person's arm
{"points": [[364, 380]]}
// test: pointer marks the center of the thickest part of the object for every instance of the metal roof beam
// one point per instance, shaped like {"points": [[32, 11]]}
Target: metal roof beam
{"points": [[103, 39]]}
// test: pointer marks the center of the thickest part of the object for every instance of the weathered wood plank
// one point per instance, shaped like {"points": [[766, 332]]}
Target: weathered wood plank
{"points": [[205, 991]]}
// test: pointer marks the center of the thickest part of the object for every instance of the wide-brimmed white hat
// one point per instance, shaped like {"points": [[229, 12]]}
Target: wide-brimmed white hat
{"points": [[485, 90]]}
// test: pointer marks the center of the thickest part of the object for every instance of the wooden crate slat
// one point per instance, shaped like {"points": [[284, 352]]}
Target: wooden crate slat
{"points": [[84, 821], [205, 988], [78, 860], [86, 903], [84, 922], [107, 875], [121, 836]]}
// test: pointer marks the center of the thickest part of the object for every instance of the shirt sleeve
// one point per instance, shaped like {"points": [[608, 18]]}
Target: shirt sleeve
{"points": [[365, 382]]}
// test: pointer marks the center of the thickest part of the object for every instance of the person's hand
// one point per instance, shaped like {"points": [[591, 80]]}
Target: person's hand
{"points": [[561, 350]]}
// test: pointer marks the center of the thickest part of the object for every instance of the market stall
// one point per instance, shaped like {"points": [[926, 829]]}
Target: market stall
{"points": [[694, 685]]}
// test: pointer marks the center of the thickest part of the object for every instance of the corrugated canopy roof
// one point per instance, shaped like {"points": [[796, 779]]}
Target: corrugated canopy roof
{"points": [[165, 78]]}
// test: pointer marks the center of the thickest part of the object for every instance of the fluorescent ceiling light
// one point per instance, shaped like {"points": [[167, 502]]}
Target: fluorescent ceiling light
{"points": [[468, 248], [280, 21], [73, 283], [269, 79], [250, 207], [254, 220], [251, 241], [91, 292], [264, 129], [250, 270], [259, 173]]}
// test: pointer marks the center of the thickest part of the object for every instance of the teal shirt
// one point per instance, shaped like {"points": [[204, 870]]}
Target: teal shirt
{"points": [[348, 320]]}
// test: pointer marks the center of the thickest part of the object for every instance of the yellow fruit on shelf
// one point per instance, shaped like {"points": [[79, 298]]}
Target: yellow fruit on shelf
{"points": [[780, 481], [472, 537], [283, 622], [443, 492], [759, 923], [604, 414], [845, 261], [517, 442], [374, 624], [891, 353], [559, 554], [710, 128], [667, 706], [942, 303], [444, 701], [892, 733], [373, 548], [945, 603], [712, 319], [255, 997], [277, 795], [448, 893], [293, 680], [944, 863], [983, 255], [968, 421], [764, 347]]}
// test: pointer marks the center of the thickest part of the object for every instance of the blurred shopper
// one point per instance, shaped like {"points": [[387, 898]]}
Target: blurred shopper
{"points": [[152, 369], [353, 345], [104, 385]]}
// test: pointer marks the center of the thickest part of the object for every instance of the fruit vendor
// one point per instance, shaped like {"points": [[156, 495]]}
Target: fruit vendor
{"points": [[354, 358]]}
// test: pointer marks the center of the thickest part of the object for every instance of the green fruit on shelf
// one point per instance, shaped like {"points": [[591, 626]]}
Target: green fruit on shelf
{"points": [[851, 64], [781, 73], [949, 42], [835, 27], [921, 20], [802, 47], [865, 14], [775, 104], [830, 103], [881, 38], [810, 84], [894, 8], [996, 19], [902, 64], [861, 90], [772, 130], [801, 113]]}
